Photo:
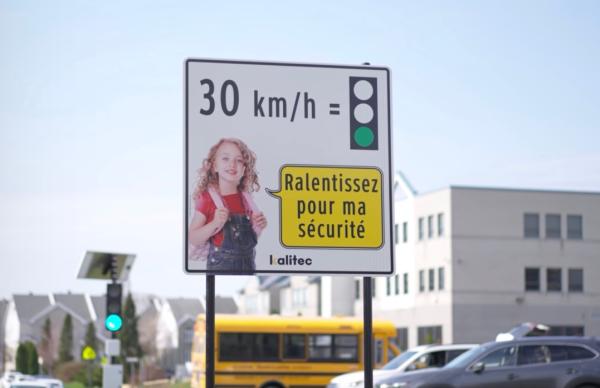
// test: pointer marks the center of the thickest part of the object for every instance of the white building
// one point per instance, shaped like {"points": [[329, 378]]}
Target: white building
{"points": [[473, 262], [298, 296]]}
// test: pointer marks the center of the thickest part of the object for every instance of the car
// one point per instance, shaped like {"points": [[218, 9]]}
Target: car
{"points": [[420, 357], [35, 382], [532, 362], [9, 377]]}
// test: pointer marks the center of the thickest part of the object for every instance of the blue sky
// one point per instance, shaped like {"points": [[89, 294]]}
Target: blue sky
{"points": [[485, 93]]}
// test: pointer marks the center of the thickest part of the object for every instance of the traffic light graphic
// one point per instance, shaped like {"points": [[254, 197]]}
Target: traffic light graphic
{"points": [[113, 321], [363, 113]]}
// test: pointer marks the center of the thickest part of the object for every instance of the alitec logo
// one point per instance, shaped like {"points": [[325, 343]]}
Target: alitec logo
{"points": [[290, 260]]}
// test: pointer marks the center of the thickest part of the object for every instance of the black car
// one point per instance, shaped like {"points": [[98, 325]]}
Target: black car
{"points": [[535, 362]]}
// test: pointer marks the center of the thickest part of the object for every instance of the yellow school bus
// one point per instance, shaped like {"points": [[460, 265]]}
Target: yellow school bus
{"points": [[282, 352]]}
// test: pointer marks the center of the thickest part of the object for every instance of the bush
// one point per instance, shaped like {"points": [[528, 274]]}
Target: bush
{"points": [[74, 384], [82, 375], [66, 371]]}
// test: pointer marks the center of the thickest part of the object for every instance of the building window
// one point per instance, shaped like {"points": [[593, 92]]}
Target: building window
{"points": [[357, 289], [188, 335], [429, 335], [421, 228], [554, 279], [429, 226], [404, 231], [441, 280], [421, 280], [395, 233], [402, 338], [397, 284], [373, 287], [531, 225], [299, 297], [440, 224], [575, 280], [405, 281], [431, 279], [574, 227], [388, 286], [532, 279], [553, 226]]}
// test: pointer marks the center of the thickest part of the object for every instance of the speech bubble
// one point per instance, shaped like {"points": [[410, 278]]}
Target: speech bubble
{"points": [[330, 206]]}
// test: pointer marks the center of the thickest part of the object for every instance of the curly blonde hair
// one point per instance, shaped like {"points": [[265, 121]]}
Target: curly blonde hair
{"points": [[207, 177]]}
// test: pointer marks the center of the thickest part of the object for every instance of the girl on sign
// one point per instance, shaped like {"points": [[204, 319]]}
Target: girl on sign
{"points": [[226, 222]]}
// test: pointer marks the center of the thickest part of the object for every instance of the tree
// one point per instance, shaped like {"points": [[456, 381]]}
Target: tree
{"points": [[33, 364], [90, 336], [46, 348], [65, 350], [130, 344], [22, 358], [27, 359]]}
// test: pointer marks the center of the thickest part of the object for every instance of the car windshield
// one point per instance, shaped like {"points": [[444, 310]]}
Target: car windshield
{"points": [[398, 360], [466, 358]]}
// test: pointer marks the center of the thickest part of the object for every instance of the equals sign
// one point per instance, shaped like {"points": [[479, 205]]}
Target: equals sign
{"points": [[334, 109]]}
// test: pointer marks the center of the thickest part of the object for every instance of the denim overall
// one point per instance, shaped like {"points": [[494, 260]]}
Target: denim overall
{"points": [[236, 253]]}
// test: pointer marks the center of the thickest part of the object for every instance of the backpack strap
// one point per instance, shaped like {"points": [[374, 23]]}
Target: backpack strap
{"points": [[216, 198], [249, 202]]}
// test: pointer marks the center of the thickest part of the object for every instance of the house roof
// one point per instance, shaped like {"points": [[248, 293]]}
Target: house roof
{"points": [[99, 304], [275, 281], [30, 305], [3, 309], [185, 307], [225, 305], [144, 303], [75, 303]]}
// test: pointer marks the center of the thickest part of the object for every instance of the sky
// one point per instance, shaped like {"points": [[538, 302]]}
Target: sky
{"points": [[484, 93]]}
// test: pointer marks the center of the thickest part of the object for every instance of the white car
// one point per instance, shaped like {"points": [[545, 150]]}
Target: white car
{"points": [[37, 383], [420, 357], [9, 377]]}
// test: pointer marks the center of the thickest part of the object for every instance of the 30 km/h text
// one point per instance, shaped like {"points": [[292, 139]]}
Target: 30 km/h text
{"points": [[227, 96]]}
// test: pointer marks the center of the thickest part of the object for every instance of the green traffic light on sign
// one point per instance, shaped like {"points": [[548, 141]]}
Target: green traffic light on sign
{"points": [[363, 136], [113, 322]]}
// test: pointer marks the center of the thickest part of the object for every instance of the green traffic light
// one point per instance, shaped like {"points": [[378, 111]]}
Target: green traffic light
{"points": [[363, 136], [113, 322]]}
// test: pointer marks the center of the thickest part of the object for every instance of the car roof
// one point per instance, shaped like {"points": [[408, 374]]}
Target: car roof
{"points": [[433, 347], [595, 341]]}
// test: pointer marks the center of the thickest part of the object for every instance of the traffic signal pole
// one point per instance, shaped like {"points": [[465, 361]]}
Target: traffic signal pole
{"points": [[113, 278]]}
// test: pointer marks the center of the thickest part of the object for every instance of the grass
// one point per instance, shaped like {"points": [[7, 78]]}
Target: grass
{"points": [[74, 384]]}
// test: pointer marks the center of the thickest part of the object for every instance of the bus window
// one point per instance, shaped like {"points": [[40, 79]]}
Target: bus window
{"points": [[378, 351], [319, 347], [346, 347], [248, 346], [294, 346], [326, 347]]}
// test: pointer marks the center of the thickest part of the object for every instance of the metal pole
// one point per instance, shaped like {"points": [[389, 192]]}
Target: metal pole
{"points": [[210, 331], [113, 277], [368, 330]]}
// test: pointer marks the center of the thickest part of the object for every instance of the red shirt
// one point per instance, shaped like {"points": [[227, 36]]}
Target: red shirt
{"points": [[206, 206]]}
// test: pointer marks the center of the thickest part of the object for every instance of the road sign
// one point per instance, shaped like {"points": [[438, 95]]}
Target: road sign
{"points": [[302, 148], [88, 353]]}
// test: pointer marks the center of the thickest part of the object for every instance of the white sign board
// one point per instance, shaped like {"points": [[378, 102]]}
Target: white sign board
{"points": [[287, 168]]}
